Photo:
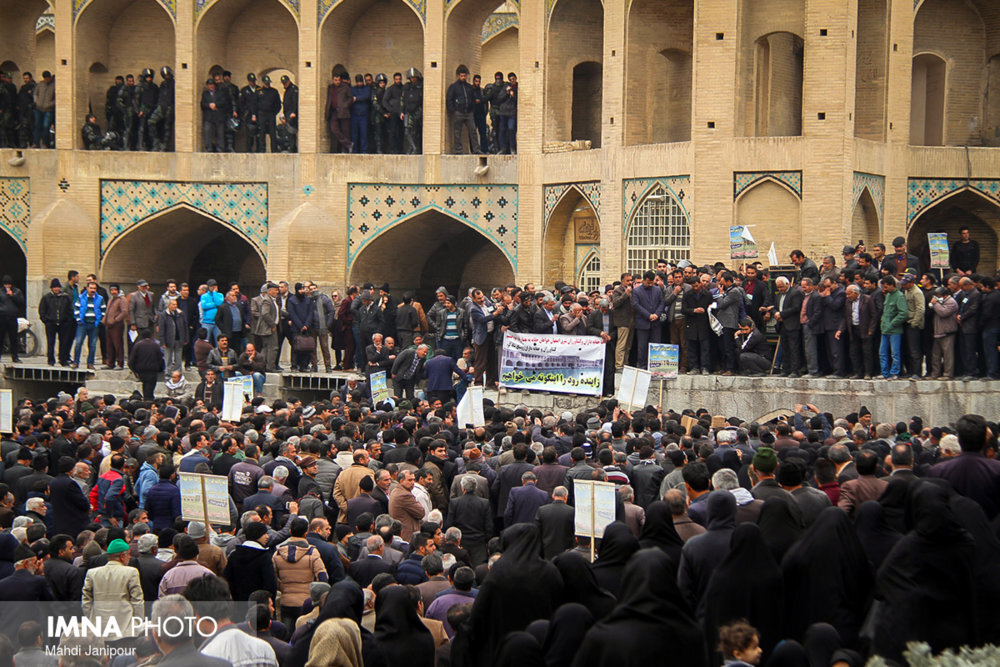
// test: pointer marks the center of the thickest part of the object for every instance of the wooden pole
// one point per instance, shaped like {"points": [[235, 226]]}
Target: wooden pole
{"points": [[775, 357]]}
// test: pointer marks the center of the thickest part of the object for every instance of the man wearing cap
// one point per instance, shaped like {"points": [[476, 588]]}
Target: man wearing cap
{"points": [[246, 106], [23, 585], [209, 306], [114, 590], [850, 264], [141, 310], [264, 315], [216, 110], [905, 262], [55, 310], [268, 106]]}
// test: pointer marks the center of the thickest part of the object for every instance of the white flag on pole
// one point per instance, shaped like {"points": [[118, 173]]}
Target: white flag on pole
{"points": [[772, 255], [747, 235]]}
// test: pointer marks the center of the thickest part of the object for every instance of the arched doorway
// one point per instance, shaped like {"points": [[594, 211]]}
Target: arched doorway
{"points": [[186, 245], [871, 67], [965, 209], [658, 229], [927, 100], [428, 251], [772, 212], [106, 47], [575, 37], [865, 223], [658, 71], [572, 241], [13, 263], [368, 37]]}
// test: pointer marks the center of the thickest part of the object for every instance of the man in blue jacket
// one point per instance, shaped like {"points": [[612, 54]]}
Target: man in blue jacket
{"points": [[411, 570], [648, 304], [362, 95], [88, 312], [209, 306]]}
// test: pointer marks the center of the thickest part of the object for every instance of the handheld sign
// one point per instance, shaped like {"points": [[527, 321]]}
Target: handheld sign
{"points": [[470, 408], [634, 387], [663, 360], [6, 411], [380, 392], [232, 399]]}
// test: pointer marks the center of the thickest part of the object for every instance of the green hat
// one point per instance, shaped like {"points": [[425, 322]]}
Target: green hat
{"points": [[117, 546], [765, 460]]}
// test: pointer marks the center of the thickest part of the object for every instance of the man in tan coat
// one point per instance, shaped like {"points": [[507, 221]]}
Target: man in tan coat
{"points": [[346, 486], [404, 506], [297, 564], [114, 590]]}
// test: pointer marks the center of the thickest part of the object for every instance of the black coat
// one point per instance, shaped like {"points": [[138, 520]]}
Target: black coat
{"points": [[56, 309], [471, 514], [791, 308], [250, 569], [364, 570], [65, 580], [70, 508], [214, 397], [147, 357], [696, 325], [555, 521]]}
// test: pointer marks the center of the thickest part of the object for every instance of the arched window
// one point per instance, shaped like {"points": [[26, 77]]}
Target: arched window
{"points": [[659, 229], [590, 275]]}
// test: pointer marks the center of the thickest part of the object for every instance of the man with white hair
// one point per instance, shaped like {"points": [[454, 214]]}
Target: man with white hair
{"points": [[599, 324], [786, 311], [747, 507], [177, 645], [949, 446]]}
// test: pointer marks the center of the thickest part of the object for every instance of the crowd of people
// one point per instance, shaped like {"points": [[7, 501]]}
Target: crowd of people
{"points": [[27, 114], [363, 534], [373, 116]]}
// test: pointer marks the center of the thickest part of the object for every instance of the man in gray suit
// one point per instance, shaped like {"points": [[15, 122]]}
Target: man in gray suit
{"points": [[729, 317], [141, 310], [264, 323]]}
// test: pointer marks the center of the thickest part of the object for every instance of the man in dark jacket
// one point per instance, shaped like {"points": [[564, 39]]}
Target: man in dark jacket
{"points": [[787, 308], [55, 310], [146, 361], [754, 352], [65, 580], [461, 103], [70, 509], [11, 307], [471, 514], [392, 104], [23, 586], [694, 305], [268, 106], [209, 390], [647, 301], [163, 501], [524, 501], [319, 537], [338, 112], [250, 567], [857, 328], [215, 112], [555, 523]]}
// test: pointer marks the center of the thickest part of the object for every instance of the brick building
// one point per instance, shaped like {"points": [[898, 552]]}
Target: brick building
{"points": [[815, 123]]}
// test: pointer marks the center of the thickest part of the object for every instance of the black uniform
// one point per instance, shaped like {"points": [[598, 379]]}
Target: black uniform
{"points": [[25, 114], [413, 112], [8, 114], [111, 113], [268, 106], [290, 107], [92, 136], [213, 120], [11, 307], [162, 119], [393, 103], [127, 106], [246, 104], [149, 94], [232, 91]]}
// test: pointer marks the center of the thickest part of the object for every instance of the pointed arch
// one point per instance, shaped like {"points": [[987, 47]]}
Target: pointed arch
{"points": [[773, 209], [866, 218], [572, 229], [207, 7], [659, 227], [587, 276], [965, 207]]}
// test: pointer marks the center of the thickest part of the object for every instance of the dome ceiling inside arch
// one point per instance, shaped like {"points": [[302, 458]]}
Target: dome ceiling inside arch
{"points": [[428, 251], [186, 246]]}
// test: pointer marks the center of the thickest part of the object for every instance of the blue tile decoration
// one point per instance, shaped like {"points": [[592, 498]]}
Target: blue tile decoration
{"points": [[634, 190], [922, 193], [743, 180], [323, 7], [45, 22], [376, 207], [876, 188], [496, 23], [15, 208], [240, 206], [591, 190], [169, 5], [201, 5]]}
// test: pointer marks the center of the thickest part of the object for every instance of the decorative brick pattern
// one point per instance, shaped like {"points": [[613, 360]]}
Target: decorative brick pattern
{"points": [[497, 23], [743, 180], [922, 193], [15, 208], [375, 207], [240, 206], [634, 190], [591, 190], [876, 188], [45, 22]]}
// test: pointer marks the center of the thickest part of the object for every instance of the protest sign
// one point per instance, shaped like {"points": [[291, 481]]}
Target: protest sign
{"points": [[663, 360], [634, 387], [470, 408], [380, 392], [552, 362], [940, 252]]}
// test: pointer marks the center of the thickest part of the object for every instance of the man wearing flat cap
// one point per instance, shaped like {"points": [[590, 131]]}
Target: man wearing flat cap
{"points": [[141, 310]]}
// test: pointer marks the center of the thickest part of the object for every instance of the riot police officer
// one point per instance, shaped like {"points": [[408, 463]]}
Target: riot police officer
{"points": [[233, 93], [247, 106], [379, 117], [268, 106], [92, 134], [492, 93], [413, 112], [111, 114], [393, 106], [162, 120], [8, 111], [26, 111], [127, 105], [290, 107], [149, 94]]}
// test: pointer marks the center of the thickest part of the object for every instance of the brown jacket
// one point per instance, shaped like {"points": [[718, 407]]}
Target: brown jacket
{"points": [[857, 491], [212, 557], [346, 487], [338, 102], [404, 507], [117, 312], [297, 564]]}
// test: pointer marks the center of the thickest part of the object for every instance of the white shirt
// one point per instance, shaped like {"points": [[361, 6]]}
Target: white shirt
{"points": [[424, 498], [239, 648]]}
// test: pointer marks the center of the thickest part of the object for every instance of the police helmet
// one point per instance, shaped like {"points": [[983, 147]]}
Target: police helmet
{"points": [[166, 72], [147, 73], [413, 72], [291, 129], [381, 77], [251, 127], [251, 77], [110, 139], [266, 79], [233, 124], [284, 78]]}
